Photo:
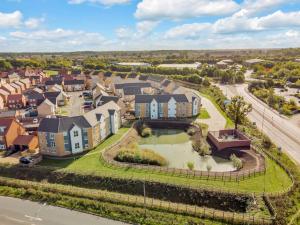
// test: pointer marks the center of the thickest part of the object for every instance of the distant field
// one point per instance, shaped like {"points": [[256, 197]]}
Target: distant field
{"points": [[50, 72]]}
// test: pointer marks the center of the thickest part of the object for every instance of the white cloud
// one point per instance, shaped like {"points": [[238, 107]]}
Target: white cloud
{"points": [[33, 23], [241, 23], [142, 29], [187, 30], [255, 6], [13, 19], [54, 40], [102, 2], [180, 9]]}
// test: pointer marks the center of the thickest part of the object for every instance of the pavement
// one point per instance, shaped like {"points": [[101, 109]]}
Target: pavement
{"points": [[22, 212], [216, 120], [74, 106], [283, 132]]}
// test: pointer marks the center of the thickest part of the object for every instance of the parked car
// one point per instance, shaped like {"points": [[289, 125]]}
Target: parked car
{"points": [[26, 160], [35, 120]]}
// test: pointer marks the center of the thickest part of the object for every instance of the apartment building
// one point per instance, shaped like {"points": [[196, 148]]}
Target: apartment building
{"points": [[166, 106], [72, 135]]}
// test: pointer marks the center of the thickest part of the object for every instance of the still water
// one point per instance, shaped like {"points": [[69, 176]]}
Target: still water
{"points": [[176, 147]]}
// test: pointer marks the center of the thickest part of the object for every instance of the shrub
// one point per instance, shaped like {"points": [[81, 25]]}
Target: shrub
{"points": [[266, 142], [190, 165], [147, 131], [208, 167], [237, 163], [132, 154], [143, 129], [191, 131], [202, 148]]}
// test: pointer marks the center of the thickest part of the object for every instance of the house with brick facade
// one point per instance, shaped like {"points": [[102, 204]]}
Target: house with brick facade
{"points": [[10, 129], [16, 101], [74, 85], [17, 88], [8, 88], [72, 135], [4, 94], [165, 106]]}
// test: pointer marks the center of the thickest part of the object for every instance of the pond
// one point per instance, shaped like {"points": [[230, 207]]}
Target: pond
{"points": [[176, 147]]}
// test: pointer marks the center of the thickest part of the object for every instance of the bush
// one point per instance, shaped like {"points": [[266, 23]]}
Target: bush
{"points": [[237, 163], [190, 165], [143, 129], [191, 131], [266, 142], [147, 131], [202, 148], [132, 154]]}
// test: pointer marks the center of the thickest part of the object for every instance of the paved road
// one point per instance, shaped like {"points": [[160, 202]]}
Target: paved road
{"points": [[280, 129], [20, 212]]}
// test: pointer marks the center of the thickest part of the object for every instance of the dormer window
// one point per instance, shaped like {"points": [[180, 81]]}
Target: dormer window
{"points": [[2, 129]]}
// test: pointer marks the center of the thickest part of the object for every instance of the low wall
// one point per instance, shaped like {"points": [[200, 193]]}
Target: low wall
{"points": [[241, 142]]}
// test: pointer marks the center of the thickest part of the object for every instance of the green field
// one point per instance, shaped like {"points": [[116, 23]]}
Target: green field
{"points": [[203, 114], [50, 72], [275, 179]]}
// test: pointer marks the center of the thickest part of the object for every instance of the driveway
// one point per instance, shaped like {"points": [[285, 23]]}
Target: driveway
{"points": [[74, 106], [21, 212], [216, 121]]}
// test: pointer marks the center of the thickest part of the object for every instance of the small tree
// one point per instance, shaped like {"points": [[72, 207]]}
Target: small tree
{"points": [[190, 165], [238, 109]]}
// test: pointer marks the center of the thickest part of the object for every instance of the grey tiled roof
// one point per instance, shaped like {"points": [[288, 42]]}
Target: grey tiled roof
{"points": [[124, 85], [166, 83], [160, 98], [56, 125], [73, 82], [132, 90]]}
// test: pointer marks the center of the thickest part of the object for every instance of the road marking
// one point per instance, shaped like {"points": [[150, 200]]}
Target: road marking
{"points": [[13, 219], [33, 218]]}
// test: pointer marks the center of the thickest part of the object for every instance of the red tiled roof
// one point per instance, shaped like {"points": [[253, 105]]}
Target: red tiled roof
{"points": [[23, 139]]}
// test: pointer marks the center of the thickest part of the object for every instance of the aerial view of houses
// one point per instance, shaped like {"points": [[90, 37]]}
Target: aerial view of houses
{"points": [[149, 112]]}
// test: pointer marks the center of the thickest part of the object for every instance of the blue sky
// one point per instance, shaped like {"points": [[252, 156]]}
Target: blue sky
{"points": [[101, 25]]}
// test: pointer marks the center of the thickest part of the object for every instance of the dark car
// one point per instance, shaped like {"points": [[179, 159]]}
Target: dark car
{"points": [[26, 160]]}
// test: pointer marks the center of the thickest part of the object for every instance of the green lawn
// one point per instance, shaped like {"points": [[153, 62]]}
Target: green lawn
{"points": [[274, 180], [50, 72], [203, 114]]}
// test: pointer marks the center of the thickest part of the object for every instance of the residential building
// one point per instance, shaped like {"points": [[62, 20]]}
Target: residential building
{"points": [[26, 142], [17, 88], [8, 88], [130, 89], [74, 85], [16, 101], [168, 86], [21, 85], [4, 94], [46, 108], [57, 98], [50, 83], [104, 99], [34, 97], [72, 135], [26, 82], [155, 81], [165, 106], [2, 102], [13, 77], [10, 129]]}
